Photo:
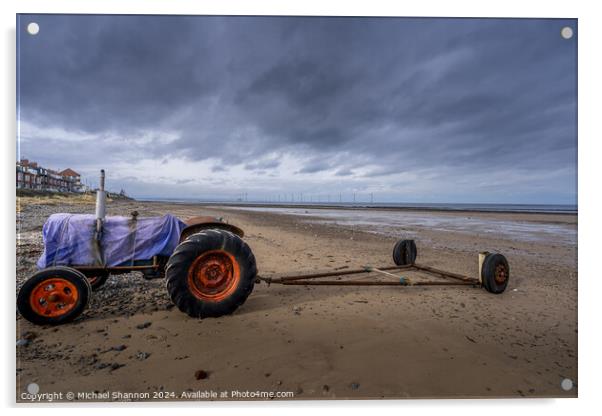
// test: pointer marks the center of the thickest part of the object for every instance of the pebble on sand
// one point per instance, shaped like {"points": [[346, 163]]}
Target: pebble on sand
{"points": [[22, 342], [201, 374], [115, 366], [29, 335]]}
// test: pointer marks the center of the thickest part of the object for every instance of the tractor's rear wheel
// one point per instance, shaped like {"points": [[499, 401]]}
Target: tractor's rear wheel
{"points": [[54, 296], [405, 252], [210, 274]]}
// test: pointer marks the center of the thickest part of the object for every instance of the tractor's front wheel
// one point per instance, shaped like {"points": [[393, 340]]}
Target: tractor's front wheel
{"points": [[210, 274], [54, 296], [98, 280]]}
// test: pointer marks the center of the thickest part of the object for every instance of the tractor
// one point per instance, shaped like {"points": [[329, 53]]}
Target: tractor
{"points": [[208, 267]]}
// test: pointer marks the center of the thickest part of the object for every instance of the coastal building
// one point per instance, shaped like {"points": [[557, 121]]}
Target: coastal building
{"points": [[73, 179], [32, 176]]}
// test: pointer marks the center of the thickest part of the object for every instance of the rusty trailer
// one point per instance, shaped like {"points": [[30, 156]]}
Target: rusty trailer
{"points": [[493, 273]]}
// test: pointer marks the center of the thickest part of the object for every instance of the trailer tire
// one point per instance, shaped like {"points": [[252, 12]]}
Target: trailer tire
{"points": [[495, 273], [210, 274], [54, 296], [405, 252]]}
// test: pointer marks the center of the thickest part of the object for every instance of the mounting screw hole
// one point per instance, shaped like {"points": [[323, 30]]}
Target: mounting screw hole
{"points": [[566, 384], [566, 32], [33, 28], [33, 388]]}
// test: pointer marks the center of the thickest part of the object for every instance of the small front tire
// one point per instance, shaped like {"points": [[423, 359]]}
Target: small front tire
{"points": [[54, 296], [98, 281]]}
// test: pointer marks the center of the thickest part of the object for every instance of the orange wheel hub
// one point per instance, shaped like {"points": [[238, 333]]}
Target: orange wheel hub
{"points": [[500, 274], [213, 275], [53, 297]]}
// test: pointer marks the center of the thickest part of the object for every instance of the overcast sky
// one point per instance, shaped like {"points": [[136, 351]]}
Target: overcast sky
{"points": [[411, 110]]}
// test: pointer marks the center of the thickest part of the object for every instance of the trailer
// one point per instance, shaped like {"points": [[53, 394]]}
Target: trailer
{"points": [[209, 269], [493, 274]]}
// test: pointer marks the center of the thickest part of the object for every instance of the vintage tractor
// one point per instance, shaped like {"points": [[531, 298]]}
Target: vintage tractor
{"points": [[209, 270]]}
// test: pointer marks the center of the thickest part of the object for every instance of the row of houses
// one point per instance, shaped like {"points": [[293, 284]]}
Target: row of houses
{"points": [[32, 176]]}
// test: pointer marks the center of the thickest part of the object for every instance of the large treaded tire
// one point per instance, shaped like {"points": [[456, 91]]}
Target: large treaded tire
{"points": [[405, 252], [73, 279], [495, 273], [186, 291]]}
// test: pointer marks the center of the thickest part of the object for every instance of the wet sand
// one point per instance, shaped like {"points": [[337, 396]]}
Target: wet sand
{"points": [[325, 342]]}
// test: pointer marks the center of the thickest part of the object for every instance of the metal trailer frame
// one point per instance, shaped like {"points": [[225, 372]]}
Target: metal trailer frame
{"points": [[450, 279]]}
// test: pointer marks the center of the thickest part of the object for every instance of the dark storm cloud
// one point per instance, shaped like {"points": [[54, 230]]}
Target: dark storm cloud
{"points": [[344, 172], [263, 164], [315, 166], [96, 73], [462, 97]]}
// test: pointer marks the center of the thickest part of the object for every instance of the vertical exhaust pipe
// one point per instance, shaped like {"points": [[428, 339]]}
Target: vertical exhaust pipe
{"points": [[101, 205]]}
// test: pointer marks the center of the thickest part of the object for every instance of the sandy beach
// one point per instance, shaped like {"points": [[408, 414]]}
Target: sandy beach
{"points": [[325, 342]]}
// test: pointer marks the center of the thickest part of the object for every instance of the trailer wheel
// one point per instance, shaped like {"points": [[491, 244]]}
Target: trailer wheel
{"points": [[405, 252], [54, 296], [210, 274], [495, 273], [97, 281]]}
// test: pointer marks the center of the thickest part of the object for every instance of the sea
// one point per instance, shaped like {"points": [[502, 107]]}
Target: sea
{"points": [[393, 219], [474, 207]]}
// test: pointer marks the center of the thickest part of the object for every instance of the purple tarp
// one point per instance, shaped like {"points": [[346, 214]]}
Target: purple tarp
{"points": [[69, 240]]}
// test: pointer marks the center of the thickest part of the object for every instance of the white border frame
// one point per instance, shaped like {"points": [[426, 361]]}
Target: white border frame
{"points": [[589, 155]]}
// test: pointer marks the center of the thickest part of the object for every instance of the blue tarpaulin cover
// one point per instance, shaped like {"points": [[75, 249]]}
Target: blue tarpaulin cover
{"points": [[69, 240]]}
